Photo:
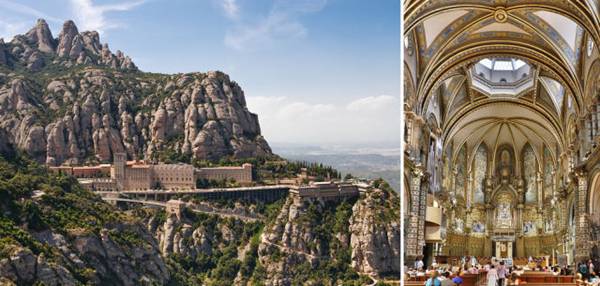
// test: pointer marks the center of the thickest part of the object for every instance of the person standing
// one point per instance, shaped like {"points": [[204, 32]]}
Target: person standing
{"points": [[492, 276], [419, 264], [590, 267], [583, 270], [501, 273]]}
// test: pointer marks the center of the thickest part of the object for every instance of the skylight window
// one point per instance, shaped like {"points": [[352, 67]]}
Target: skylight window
{"points": [[503, 66], [502, 76], [518, 64], [487, 63]]}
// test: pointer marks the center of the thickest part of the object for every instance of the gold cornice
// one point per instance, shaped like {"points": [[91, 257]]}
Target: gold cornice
{"points": [[416, 12]]}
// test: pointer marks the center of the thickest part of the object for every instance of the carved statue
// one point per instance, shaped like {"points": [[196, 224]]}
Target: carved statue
{"points": [[504, 216]]}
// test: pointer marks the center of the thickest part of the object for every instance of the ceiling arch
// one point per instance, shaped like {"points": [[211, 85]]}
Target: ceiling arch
{"points": [[504, 123], [472, 53], [416, 11]]}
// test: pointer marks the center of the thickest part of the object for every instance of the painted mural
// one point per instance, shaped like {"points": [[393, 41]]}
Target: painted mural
{"points": [[548, 170], [529, 174], [461, 173], [479, 176]]}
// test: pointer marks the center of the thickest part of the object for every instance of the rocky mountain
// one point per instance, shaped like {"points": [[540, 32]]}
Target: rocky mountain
{"points": [[54, 232], [71, 100], [361, 236]]}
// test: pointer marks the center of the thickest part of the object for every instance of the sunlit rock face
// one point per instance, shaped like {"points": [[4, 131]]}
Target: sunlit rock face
{"points": [[70, 99]]}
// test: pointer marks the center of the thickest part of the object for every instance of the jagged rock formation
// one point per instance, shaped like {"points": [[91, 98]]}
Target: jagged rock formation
{"points": [[375, 228], [203, 245], [106, 260], [315, 235], [68, 100], [297, 240]]}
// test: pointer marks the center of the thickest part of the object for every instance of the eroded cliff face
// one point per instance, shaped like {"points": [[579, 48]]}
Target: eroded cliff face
{"points": [[375, 229], [363, 236], [84, 256], [71, 100], [199, 245]]}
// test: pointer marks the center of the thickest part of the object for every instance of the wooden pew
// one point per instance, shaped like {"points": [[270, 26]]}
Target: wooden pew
{"points": [[551, 284], [414, 283]]}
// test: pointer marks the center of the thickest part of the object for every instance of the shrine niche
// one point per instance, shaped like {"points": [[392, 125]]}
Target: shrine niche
{"points": [[529, 228], [504, 217]]}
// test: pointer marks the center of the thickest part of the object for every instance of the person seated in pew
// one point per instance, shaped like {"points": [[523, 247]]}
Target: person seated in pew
{"points": [[579, 280], [473, 270], [457, 279], [446, 281], [433, 279], [593, 279], [555, 271], [515, 280]]}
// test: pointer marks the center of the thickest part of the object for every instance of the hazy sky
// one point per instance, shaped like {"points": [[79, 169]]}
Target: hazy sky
{"points": [[315, 71]]}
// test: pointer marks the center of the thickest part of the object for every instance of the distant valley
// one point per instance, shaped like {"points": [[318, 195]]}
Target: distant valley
{"points": [[376, 160]]}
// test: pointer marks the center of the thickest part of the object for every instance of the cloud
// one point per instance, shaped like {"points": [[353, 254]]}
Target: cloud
{"points": [[93, 17], [281, 22], [285, 120], [9, 29], [371, 103], [26, 10], [231, 8]]}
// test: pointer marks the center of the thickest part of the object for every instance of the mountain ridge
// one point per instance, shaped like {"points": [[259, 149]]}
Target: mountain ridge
{"points": [[71, 100]]}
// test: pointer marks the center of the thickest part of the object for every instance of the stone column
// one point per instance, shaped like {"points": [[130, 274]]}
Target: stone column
{"points": [[540, 189], [470, 190], [415, 236], [519, 218], [582, 235]]}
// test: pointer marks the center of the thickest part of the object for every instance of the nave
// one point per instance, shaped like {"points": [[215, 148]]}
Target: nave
{"points": [[502, 117]]}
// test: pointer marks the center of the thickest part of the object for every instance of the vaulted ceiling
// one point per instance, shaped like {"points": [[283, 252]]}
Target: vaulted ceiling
{"points": [[446, 39]]}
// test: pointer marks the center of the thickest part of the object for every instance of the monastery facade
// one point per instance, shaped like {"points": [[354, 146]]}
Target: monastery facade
{"points": [[139, 175]]}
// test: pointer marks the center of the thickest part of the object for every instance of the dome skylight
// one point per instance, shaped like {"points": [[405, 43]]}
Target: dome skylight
{"points": [[502, 64], [502, 76]]}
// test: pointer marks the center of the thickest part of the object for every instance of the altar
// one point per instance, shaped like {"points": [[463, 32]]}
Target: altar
{"points": [[504, 249]]}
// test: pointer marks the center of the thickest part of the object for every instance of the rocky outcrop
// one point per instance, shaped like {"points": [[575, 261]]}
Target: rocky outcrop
{"points": [[375, 229], [3, 59], [109, 260], [41, 37], [108, 106], [289, 243], [313, 233]]}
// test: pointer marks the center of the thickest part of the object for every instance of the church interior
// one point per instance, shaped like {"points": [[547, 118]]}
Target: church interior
{"points": [[502, 130]]}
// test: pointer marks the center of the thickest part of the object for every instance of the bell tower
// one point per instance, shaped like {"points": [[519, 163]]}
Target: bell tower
{"points": [[118, 169]]}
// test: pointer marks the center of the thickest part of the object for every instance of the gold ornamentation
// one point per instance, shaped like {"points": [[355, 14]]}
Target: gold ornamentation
{"points": [[500, 15]]}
